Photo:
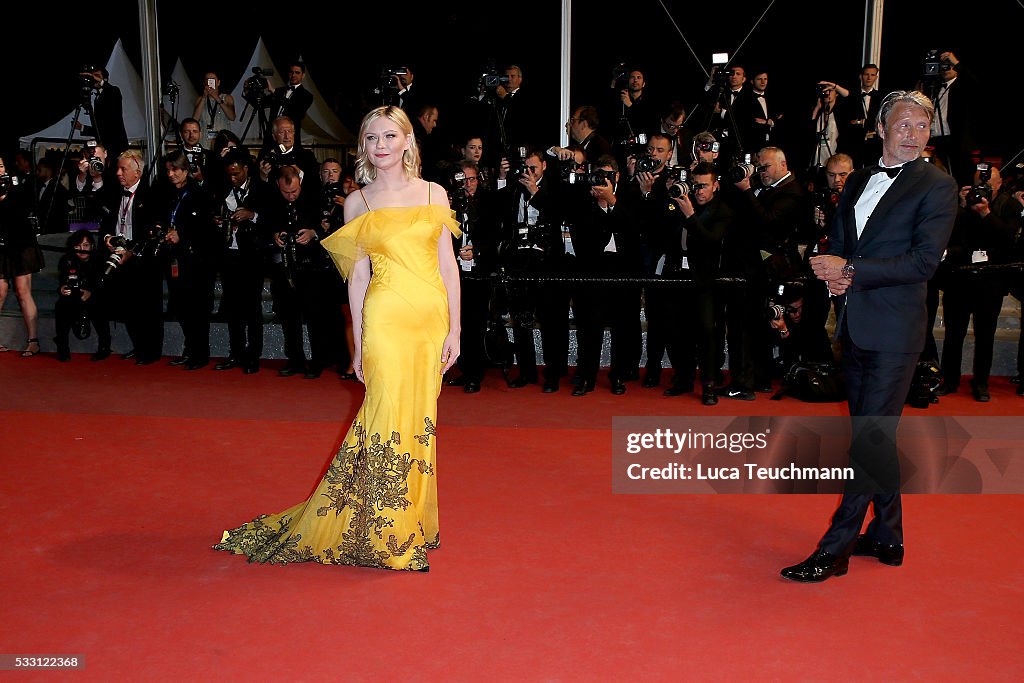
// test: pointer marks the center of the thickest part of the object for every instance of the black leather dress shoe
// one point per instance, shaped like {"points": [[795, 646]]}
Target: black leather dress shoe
{"points": [[816, 568], [708, 396], [550, 386], [471, 387], [651, 379], [312, 373], [981, 394], [227, 364], [459, 381], [736, 392], [679, 389], [764, 388], [63, 355], [582, 388], [618, 387], [128, 356], [141, 360], [196, 363], [891, 555], [180, 360], [1020, 389], [251, 368], [289, 370], [945, 389], [520, 382], [101, 354], [631, 375]]}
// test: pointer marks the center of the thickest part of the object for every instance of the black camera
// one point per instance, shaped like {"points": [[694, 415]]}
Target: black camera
{"points": [[596, 178], [490, 80], [96, 165], [982, 191], [387, 84], [742, 170], [822, 89], [86, 83], [517, 163], [647, 164], [7, 182], [171, 91], [277, 158], [254, 87], [705, 146], [289, 255], [329, 193], [196, 158], [933, 66], [620, 77], [635, 146]]}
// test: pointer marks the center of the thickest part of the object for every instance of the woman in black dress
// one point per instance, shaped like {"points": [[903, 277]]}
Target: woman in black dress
{"points": [[19, 253]]}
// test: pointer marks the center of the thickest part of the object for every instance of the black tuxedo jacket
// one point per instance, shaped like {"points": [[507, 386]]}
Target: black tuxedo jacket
{"points": [[294, 107], [895, 256], [108, 121], [143, 215], [851, 109]]}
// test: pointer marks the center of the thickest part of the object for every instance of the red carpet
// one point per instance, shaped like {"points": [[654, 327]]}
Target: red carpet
{"points": [[117, 480]]}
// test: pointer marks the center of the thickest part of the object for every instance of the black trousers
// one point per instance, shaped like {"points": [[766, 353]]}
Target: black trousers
{"points": [[692, 335], [523, 310], [242, 303], [135, 294], [741, 316], [877, 383], [310, 297], [616, 307], [68, 309], [191, 292], [966, 297], [475, 309]]}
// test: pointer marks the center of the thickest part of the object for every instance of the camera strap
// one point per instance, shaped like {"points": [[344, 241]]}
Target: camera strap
{"points": [[177, 206]]}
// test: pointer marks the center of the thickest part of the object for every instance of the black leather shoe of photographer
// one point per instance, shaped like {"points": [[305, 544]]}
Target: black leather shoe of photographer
{"points": [[618, 387], [459, 381], [128, 356], [708, 396], [251, 368], [981, 394], [101, 354], [816, 568], [652, 378], [180, 360], [679, 389], [550, 386], [520, 382], [471, 387], [583, 388], [227, 364], [196, 363], [891, 555], [290, 370]]}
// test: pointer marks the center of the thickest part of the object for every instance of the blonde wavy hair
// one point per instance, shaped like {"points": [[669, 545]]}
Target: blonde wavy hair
{"points": [[366, 172]]}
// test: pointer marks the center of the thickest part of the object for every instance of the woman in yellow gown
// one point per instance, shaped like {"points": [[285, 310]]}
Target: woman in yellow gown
{"points": [[377, 504]]}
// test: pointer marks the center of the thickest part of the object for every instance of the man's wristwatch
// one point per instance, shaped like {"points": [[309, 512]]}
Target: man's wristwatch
{"points": [[849, 270]]}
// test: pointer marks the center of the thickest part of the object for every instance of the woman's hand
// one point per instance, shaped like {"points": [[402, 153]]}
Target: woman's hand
{"points": [[357, 364], [450, 351]]}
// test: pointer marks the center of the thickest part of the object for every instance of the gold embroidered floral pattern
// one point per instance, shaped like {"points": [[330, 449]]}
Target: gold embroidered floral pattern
{"points": [[366, 480]]}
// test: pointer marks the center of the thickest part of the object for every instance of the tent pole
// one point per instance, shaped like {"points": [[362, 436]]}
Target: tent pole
{"points": [[872, 49], [150, 47], [564, 104]]}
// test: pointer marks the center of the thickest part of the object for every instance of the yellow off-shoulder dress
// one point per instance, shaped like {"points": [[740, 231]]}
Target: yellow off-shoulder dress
{"points": [[377, 504]]}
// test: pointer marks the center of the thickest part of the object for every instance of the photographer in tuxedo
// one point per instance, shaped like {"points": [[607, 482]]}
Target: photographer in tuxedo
{"points": [[892, 225]]}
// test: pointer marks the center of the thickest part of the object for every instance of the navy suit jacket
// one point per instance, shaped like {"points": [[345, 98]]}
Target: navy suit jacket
{"points": [[895, 256]]}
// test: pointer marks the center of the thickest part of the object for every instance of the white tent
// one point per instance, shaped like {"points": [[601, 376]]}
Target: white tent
{"points": [[320, 124], [126, 78], [320, 121], [261, 58], [187, 97]]}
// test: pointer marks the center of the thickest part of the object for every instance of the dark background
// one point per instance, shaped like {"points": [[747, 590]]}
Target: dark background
{"points": [[449, 43]]}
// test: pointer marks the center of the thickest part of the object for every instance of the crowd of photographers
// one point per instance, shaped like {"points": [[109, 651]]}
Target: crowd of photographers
{"points": [[695, 223]]}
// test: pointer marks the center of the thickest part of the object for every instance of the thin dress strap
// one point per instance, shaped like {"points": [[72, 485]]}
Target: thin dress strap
{"points": [[428, 193], [364, 199]]}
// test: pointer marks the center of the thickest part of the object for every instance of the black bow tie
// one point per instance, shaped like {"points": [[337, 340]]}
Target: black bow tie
{"points": [[891, 172], [869, 93], [126, 193], [759, 94], [291, 88]]}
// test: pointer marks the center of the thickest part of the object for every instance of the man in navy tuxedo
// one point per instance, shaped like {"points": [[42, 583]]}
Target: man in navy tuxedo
{"points": [[891, 227]]}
